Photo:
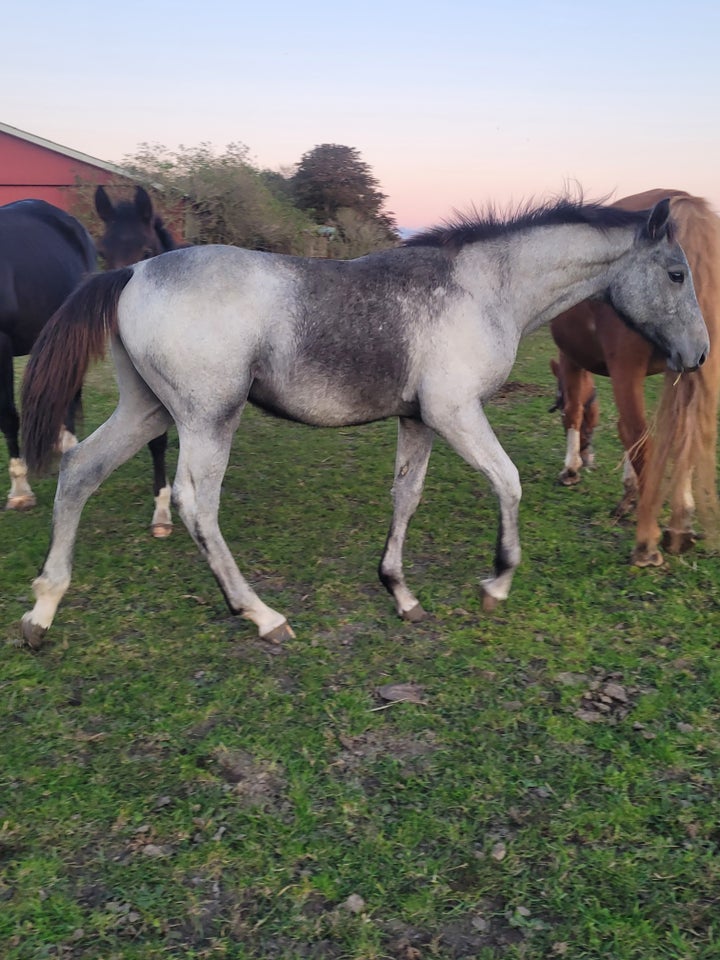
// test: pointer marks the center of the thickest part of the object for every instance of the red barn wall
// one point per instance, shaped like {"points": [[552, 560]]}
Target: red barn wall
{"points": [[30, 170]]}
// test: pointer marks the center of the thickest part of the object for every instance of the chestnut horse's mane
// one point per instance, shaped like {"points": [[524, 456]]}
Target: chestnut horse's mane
{"points": [[685, 434]]}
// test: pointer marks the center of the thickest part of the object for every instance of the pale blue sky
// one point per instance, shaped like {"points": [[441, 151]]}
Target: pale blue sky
{"points": [[452, 103]]}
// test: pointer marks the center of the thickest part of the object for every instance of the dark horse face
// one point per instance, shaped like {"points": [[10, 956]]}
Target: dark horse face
{"points": [[133, 231]]}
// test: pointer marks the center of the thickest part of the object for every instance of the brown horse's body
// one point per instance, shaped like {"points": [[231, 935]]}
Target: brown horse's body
{"points": [[678, 463]]}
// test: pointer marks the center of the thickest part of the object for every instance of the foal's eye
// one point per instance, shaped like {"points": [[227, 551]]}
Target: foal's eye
{"points": [[677, 276]]}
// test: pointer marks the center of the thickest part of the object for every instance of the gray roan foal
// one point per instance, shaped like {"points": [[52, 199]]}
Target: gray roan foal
{"points": [[424, 332]]}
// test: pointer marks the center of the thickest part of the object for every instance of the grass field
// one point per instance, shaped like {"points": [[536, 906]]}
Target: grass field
{"points": [[539, 783]]}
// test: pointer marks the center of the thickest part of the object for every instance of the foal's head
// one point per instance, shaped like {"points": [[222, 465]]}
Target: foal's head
{"points": [[133, 231]]}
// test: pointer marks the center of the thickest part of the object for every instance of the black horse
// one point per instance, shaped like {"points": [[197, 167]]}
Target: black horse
{"points": [[44, 254], [134, 232]]}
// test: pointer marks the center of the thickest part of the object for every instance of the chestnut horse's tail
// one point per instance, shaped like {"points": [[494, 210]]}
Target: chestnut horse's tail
{"points": [[685, 441], [75, 335]]}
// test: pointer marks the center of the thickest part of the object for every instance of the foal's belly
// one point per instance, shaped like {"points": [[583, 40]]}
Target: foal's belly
{"points": [[324, 403]]}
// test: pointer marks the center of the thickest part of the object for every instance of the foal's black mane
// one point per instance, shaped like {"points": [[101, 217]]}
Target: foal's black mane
{"points": [[472, 227]]}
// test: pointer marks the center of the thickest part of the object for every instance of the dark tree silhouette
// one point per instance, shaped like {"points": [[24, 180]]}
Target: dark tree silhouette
{"points": [[332, 177]]}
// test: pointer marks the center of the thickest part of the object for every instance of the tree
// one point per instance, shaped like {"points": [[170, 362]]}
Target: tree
{"points": [[228, 200], [331, 177]]}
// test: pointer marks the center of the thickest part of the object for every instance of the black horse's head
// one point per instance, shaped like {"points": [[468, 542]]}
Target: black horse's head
{"points": [[133, 231]]}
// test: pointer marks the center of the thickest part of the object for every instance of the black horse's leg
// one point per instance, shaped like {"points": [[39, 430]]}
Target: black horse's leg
{"points": [[20, 496], [162, 524], [67, 438], [411, 461]]}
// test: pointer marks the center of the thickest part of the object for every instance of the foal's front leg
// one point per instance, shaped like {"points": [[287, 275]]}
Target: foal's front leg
{"points": [[468, 431]]}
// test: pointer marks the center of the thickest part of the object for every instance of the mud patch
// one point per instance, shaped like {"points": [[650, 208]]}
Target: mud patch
{"points": [[257, 783], [515, 390]]}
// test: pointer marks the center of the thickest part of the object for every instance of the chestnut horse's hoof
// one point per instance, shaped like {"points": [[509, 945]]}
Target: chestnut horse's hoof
{"points": [[161, 531], [414, 614], [279, 634], [568, 478], [33, 634], [643, 556], [678, 541], [24, 501]]}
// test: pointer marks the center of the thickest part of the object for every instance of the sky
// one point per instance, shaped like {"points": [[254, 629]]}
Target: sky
{"points": [[454, 104]]}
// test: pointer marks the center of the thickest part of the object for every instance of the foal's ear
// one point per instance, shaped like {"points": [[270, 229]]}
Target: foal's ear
{"points": [[104, 205], [657, 225], [143, 205]]}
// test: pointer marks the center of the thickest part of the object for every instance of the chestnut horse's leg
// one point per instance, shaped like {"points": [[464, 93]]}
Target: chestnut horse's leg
{"points": [[411, 460], [570, 377], [679, 536], [628, 365]]}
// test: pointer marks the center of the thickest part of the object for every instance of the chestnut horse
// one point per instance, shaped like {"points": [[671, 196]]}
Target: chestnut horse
{"points": [[677, 462], [134, 232]]}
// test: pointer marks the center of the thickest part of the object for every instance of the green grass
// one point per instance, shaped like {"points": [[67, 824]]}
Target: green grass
{"points": [[172, 786]]}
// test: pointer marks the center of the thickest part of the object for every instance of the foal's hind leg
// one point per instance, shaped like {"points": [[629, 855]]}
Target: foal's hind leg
{"points": [[201, 466], [82, 470], [411, 460], [138, 417], [161, 526]]}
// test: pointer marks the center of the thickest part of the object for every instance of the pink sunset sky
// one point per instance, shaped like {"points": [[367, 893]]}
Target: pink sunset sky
{"points": [[453, 104]]}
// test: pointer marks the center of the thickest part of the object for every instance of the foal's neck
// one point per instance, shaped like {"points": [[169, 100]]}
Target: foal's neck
{"points": [[550, 269]]}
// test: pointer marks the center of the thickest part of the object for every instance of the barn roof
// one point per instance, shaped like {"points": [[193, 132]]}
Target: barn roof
{"points": [[64, 151]]}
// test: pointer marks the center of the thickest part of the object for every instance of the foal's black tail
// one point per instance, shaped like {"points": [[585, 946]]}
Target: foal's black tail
{"points": [[75, 335]]}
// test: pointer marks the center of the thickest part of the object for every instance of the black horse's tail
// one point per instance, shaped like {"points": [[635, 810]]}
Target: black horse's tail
{"points": [[75, 335]]}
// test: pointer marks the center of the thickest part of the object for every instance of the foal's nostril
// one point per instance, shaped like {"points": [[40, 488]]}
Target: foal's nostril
{"points": [[703, 358]]}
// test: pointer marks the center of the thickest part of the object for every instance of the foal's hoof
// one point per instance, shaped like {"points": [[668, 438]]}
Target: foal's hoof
{"points": [[678, 541], [414, 614], [489, 602], [279, 634], [161, 531], [25, 501], [33, 634], [643, 556]]}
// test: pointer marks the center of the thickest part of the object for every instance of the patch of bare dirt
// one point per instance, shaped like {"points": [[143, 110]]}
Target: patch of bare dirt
{"points": [[358, 751], [257, 783], [488, 927], [516, 390], [607, 697]]}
